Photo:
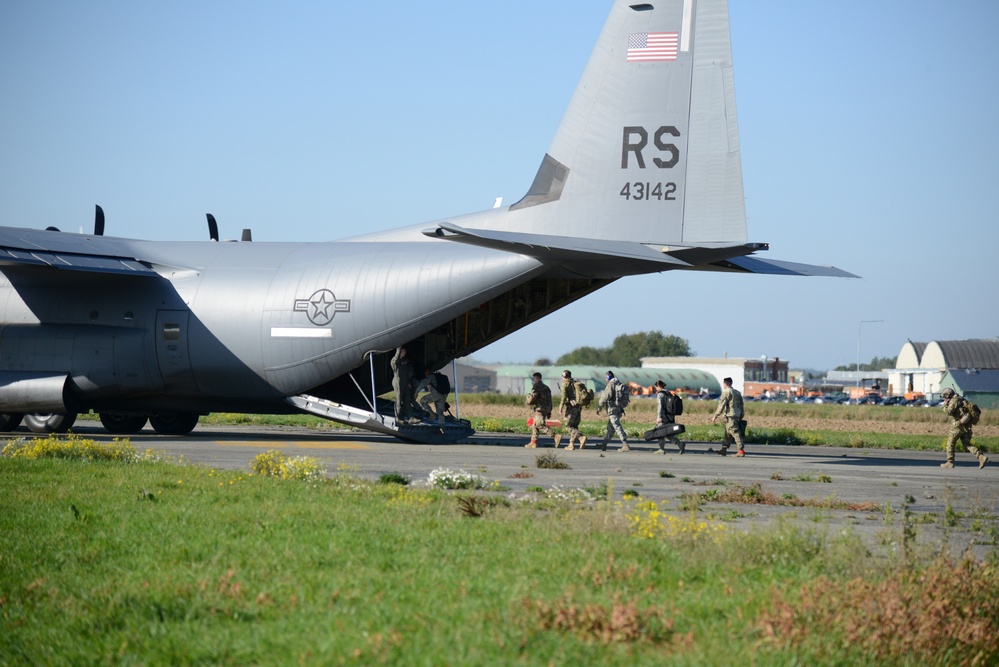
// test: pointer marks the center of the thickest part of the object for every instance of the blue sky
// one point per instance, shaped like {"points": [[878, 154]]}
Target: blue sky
{"points": [[868, 137]]}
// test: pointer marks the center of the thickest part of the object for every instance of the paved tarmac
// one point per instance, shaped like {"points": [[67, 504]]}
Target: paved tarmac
{"points": [[884, 477]]}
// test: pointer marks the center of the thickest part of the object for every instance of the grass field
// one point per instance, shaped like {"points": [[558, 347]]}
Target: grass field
{"points": [[151, 562], [107, 557]]}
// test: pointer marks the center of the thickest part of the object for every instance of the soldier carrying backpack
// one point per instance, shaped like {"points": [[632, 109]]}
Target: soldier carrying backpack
{"points": [[575, 396], [670, 405], [963, 416], [614, 399], [540, 400]]}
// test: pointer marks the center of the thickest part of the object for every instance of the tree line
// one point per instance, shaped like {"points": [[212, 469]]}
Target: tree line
{"points": [[875, 364], [625, 351]]}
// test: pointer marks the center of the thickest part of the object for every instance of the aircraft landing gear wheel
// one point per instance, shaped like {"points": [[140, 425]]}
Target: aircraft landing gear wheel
{"points": [[49, 422], [10, 421], [180, 423], [117, 423]]}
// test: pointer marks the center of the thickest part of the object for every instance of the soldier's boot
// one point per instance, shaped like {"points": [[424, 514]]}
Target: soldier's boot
{"points": [[723, 451], [532, 444], [582, 442], [558, 439], [741, 452], [662, 448], [625, 447], [681, 446], [949, 463], [572, 443], [980, 455], [603, 446]]}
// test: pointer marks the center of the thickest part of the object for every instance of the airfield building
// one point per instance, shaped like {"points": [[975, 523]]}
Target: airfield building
{"points": [[969, 367], [761, 374]]}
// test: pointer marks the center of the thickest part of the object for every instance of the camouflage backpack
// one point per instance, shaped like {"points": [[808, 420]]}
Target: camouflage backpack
{"points": [[973, 411], [584, 396]]}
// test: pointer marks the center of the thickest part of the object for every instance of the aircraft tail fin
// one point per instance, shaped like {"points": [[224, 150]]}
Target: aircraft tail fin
{"points": [[648, 149]]}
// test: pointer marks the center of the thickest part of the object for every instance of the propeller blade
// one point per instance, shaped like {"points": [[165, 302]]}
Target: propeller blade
{"points": [[213, 227], [98, 221]]}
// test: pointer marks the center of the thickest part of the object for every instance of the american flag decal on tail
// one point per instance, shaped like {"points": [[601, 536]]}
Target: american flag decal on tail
{"points": [[644, 47]]}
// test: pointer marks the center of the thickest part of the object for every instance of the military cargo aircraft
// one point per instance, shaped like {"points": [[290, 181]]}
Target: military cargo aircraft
{"points": [[644, 175]]}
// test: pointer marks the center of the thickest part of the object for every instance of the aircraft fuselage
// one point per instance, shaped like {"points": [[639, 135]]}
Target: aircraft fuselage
{"points": [[251, 324]]}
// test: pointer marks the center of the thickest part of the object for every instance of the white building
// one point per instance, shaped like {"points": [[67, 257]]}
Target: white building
{"points": [[920, 367]]}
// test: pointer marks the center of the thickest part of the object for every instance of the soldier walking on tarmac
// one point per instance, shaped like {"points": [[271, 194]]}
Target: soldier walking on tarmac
{"points": [[963, 416], [730, 408], [540, 400], [571, 408], [614, 399], [667, 415]]}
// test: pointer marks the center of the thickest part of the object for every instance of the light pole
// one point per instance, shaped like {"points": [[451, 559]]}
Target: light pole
{"points": [[764, 376], [859, 328]]}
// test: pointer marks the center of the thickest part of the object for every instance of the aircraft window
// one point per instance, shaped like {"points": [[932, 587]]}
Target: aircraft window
{"points": [[171, 331], [643, 7]]}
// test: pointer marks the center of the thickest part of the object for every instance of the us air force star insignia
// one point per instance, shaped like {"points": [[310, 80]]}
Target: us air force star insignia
{"points": [[321, 307]]}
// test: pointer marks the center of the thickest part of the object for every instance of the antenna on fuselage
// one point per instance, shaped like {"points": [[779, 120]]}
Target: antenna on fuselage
{"points": [[213, 227], [98, 220], [247, 235]]}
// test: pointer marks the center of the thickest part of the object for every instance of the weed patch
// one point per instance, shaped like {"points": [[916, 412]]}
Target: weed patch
{"points": [[649, 520], [754, 494], [614, 623], [274, 463], [72, 447], [394, 478], [552, 461], [946, 609]]}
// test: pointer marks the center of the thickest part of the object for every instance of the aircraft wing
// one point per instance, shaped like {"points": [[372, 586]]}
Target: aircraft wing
{"points": [[57, 250], [602, 258]]}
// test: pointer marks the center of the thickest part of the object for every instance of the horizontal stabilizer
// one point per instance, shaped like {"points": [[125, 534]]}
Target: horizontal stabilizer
{"points": [[781, 268], [591, 257]]}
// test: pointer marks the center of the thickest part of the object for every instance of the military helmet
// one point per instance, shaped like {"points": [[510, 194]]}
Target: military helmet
{"points": [[947, 393]]}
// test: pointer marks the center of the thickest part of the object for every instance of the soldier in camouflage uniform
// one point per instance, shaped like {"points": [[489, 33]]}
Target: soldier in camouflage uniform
{"points": [[959, 411], [609, 401], [402, 385], [540, 400], [429, 384], [572, 411], [730, 408]]}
